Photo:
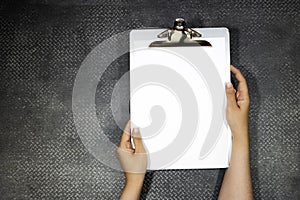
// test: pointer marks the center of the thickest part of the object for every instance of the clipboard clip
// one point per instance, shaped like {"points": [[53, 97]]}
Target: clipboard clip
{"points": [[178, 36]]}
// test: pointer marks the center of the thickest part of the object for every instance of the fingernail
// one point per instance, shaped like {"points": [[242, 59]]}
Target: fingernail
{"points": [[229, 85], [135, 131]]}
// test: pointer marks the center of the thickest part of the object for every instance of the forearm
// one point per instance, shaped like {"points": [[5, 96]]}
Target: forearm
{"points": [[132, 190], [237, 180]]}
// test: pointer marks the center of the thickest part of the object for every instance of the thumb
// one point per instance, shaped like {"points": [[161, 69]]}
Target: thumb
{"points": [[137, 140], [230, 93]]}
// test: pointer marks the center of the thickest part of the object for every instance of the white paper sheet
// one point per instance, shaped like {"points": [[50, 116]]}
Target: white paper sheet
{"points": [[178, 100]]}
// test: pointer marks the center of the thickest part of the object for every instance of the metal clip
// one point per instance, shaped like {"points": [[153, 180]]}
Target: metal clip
{"points": [[179, 35]]}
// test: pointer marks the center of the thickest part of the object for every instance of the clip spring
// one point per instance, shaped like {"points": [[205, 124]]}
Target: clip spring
{"points": [[179, 35]]}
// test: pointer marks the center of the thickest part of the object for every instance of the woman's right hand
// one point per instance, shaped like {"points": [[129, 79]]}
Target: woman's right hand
{"points": [[238, 103], [237, 179]]}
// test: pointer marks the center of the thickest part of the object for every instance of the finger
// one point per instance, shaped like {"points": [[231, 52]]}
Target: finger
{"points": [[242, 90], [237, 74], [242, 84], [137, 140], [237, 94], [121, 151], [128, 145], [125, 136], [230, 94]]}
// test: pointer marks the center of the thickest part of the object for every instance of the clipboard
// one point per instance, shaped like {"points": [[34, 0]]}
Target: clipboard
{"points": [[177, 95]]}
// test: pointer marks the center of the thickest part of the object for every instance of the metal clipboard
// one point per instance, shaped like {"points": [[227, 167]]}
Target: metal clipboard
{"points": [[177, 95]]}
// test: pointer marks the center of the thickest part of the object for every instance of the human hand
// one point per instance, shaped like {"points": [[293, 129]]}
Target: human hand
{"points": [[237, 179], [238, 103], [133, 162]]}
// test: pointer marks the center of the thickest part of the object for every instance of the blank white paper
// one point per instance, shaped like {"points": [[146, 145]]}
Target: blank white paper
{"points": [[177, 99]]}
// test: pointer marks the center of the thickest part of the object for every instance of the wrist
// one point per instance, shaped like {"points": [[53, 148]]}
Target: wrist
{"points": [[135, 180], [239, 131], [240, 138], [131, 191]]}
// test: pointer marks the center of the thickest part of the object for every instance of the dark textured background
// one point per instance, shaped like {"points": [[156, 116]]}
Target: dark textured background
{"points": [[42, 46]]}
